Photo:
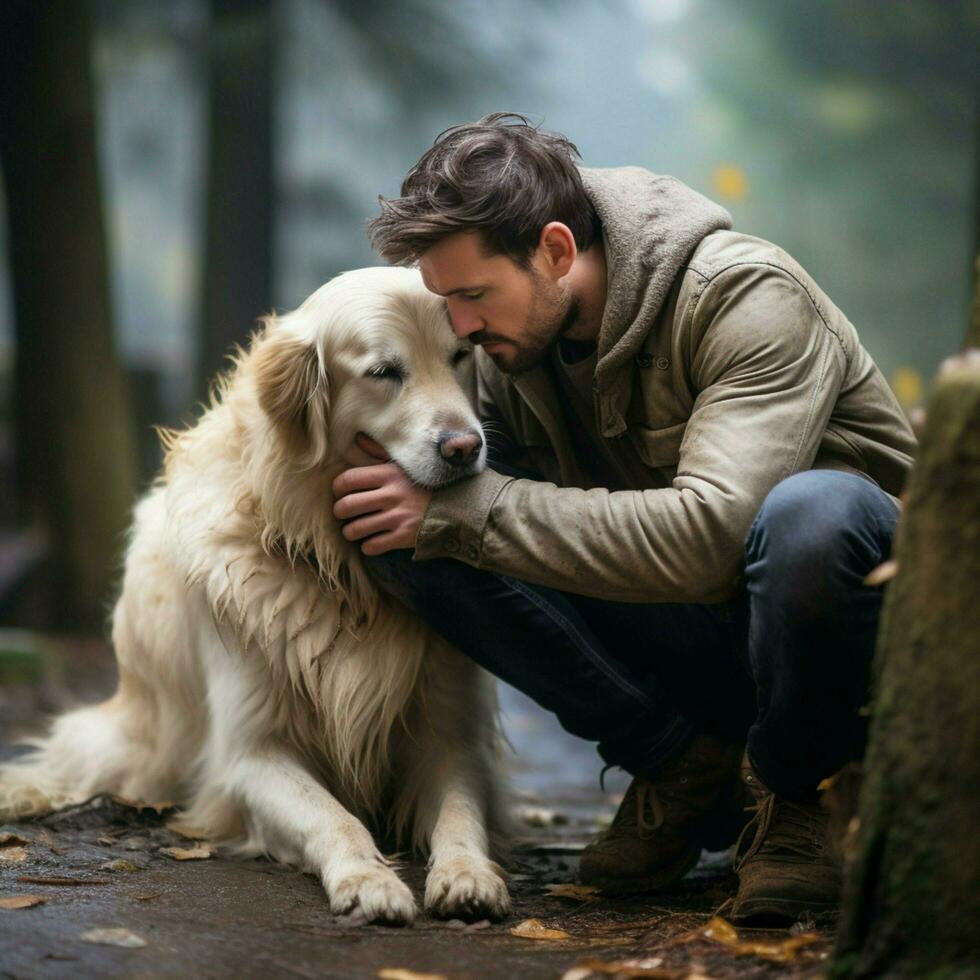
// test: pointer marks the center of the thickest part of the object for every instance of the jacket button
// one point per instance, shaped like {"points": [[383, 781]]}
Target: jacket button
{"points": [[452, 545], [472, 553], [644, 360], [663, 363]]}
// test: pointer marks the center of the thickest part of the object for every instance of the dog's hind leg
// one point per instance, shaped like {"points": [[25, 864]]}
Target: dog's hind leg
{"points": [[133, 745], [88, 751]]}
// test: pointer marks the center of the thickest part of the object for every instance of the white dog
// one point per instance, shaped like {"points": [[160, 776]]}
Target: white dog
{"points": [[264, 682]]}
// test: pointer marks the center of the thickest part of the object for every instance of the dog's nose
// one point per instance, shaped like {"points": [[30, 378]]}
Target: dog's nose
{"points": [[459, 448]]}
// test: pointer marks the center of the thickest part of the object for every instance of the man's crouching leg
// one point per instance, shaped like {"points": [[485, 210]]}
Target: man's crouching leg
{"points": [[812, 627], [686, 793]]}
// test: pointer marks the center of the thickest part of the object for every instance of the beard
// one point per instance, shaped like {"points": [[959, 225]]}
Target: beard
{"points": [[553, 312]]}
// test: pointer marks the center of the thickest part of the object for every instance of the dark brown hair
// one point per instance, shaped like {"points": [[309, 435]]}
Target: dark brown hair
{"points": [[502, 177]]}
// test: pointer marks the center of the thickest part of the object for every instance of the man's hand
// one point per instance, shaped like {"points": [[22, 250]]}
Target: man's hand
{"points": [[381, 504]]}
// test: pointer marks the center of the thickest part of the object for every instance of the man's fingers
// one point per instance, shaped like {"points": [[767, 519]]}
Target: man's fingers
{"points": [[364, 502], [381, 543], [363, 478], [364, 526]]}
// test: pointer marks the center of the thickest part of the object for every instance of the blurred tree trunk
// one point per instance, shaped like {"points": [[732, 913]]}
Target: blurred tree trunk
{"points": [[911, 900], [76, 457], [240, 191]]}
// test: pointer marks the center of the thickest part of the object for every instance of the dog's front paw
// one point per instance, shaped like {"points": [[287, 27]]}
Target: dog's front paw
{"points": [[466, 888], [372, 893]]}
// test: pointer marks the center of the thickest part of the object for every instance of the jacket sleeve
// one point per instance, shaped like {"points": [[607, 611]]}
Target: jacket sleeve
{"points": [[767, 369]]}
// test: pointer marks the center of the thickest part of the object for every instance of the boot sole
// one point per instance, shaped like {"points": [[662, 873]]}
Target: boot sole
{"points": [[651, 883], [781, 909]]}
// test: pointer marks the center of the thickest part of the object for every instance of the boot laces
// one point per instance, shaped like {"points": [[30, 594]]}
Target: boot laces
{"points": [[646, 797], [783, 826]]}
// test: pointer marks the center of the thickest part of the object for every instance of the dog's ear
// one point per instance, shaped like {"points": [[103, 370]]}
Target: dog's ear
{"points": [[292, 390]]}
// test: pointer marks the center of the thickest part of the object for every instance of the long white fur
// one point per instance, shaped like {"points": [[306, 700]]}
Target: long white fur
{"points": [[264, 682]]}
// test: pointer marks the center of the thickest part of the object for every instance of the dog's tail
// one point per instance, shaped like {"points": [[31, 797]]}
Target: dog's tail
{"points": [[107, 748]]}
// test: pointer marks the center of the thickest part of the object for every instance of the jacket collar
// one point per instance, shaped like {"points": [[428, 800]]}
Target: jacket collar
{"points": [[650, 226]]}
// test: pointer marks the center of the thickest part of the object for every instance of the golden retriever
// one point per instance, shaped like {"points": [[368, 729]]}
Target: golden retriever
{"points": [[264, 682]]}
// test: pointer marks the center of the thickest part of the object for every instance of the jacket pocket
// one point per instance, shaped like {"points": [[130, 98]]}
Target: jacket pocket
{"points": [[658, 447]]}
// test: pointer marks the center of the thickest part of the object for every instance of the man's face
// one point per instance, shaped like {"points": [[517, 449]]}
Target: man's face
{"points": [[515, 314]]}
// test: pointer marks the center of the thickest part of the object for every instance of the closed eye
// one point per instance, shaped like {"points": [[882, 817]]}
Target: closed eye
{"points": [[386, 372], [460, 355]]}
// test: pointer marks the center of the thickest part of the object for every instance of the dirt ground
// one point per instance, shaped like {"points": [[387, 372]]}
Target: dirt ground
{"points": [[102, 866]]}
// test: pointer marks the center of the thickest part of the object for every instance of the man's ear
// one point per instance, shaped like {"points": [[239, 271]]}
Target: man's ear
{"points": [[292, 389], [557, 248]]}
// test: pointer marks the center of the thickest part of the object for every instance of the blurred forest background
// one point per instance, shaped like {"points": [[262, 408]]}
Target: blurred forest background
{"points": [[174, 170]]}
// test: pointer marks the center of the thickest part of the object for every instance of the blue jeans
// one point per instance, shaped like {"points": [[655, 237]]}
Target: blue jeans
{"points": [[784, 666]]}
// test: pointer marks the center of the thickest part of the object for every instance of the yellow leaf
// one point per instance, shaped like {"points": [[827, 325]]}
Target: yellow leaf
{"points": [[721, 932], [399, 973], [14, 855], [779, 952], [21, 901], [200, 853], [730, 182], [782, 952], [536, 929], [581, 893], [907, 385]]}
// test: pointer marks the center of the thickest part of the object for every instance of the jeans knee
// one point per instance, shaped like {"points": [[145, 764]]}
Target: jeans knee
{"points": [[817, 532]]}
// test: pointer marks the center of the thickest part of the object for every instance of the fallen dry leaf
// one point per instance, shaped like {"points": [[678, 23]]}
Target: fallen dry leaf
{"points": [[113, 937], [399, 973], [645, 967], [536, 929], [721, 931], [783, 951], [581, 893], [13, 855], [140, 805], [21, 901], [119, 864], [200, 853], [882, 573]]}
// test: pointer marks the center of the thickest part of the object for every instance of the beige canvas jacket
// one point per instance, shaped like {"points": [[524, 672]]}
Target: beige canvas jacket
{"points": [[721, 365]]}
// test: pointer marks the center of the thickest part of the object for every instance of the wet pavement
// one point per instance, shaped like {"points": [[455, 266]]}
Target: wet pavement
{"points": [[116, 904]]}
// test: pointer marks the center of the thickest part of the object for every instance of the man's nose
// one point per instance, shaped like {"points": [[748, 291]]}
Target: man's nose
{"points": [[464, 321], [460, 448]]}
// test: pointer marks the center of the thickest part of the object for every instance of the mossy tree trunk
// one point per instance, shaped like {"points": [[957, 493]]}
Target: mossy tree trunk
{"points": [[75, 446], [911, 903]]}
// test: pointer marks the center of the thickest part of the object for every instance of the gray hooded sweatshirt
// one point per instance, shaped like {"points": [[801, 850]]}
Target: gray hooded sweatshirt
{"points": [[722, 369]]}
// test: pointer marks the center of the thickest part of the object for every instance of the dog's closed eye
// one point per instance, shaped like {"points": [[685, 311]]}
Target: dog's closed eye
{"points": [[387, 371]]}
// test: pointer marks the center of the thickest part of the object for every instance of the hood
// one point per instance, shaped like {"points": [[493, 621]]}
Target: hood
{"points": [[650, 228]]}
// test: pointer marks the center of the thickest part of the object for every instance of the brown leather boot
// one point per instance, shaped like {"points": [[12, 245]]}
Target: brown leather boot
{"points": [[788, 867], [661, 826]]}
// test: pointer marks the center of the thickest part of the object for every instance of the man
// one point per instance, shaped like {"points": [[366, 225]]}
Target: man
{"points": [[714, 462]]}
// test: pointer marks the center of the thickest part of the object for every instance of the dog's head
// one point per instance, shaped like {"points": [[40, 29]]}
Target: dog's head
{"points": [[372, 352]]}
